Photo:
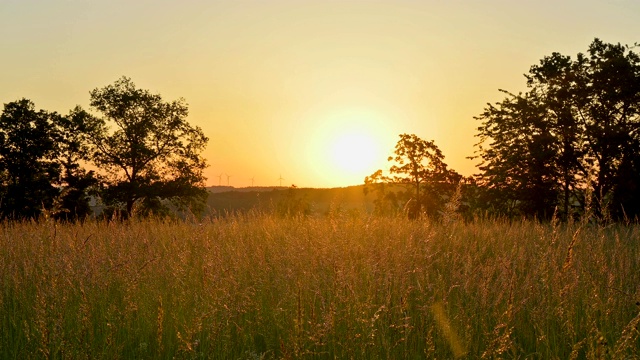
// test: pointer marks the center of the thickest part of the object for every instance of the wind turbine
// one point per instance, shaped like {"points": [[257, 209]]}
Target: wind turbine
{"points": [[220, 179], [253, 178], [280, 179], [228, 176]]}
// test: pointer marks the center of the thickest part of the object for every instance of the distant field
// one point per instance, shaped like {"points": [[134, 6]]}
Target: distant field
{"points": [[225, 199], [338, 286]]}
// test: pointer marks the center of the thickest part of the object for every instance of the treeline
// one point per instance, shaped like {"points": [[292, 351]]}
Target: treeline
{"points": [[569, 145], [143, 155]]}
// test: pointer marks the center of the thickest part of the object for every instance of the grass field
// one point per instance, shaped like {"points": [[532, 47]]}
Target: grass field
{"points": [[340, 286]]}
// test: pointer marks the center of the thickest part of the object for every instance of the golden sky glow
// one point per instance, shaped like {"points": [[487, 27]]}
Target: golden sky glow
{"points": [[281, 86]]}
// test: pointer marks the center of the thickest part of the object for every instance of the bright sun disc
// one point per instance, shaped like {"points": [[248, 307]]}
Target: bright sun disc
{"points": [[354, 153], [347, 146]]}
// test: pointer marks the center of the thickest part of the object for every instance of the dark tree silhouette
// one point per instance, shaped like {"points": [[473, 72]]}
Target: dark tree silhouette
{"points": [[77, 183], [519, 172], [147, 151], [575, 130], [28, 167], [386, 201], [39, 163], [420, 164]]}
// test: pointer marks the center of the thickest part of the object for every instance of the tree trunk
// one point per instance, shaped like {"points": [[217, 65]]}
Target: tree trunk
{"points": [[130, 204], [566, 194]]}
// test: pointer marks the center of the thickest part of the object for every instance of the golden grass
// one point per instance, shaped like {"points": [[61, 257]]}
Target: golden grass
{"points": [[343, 286]]}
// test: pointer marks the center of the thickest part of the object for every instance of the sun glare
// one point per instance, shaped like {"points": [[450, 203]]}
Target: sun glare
{"points": [[346, 146], [354, 153]]}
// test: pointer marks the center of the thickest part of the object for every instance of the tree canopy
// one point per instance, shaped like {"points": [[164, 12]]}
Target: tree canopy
{"points": [[145, 154], [419, 164], [568, 144], [571, 141], [39, 163], [147, 151]]}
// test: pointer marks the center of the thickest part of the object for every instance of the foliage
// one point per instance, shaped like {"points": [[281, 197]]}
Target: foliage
{"points": [[77, 183], [576, 129], [387, 201], [148, 154], [420, 164], [151, 160], [27, 160], [39, 163], [519, 173], [292, 204], [263, 286]]}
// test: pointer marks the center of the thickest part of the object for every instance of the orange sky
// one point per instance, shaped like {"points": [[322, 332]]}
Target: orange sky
{"points": [[284, 87]]}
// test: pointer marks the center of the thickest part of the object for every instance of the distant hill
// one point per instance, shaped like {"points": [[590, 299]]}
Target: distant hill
{"points": [[220, 189], [226, 199]]}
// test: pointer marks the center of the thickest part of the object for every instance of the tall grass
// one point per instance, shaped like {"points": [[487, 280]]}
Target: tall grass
{"points": [[342, 286]]}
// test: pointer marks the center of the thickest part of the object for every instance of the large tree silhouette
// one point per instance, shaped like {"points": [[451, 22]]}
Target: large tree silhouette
{"points": [[76, 182], [147, 151], [28, 169], [520, 172], [420, 164], [40, 153], [575, 131]]}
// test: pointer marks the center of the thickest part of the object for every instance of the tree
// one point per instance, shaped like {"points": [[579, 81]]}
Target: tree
{"points": [[28, 167], [609, 112], [76, 182], [519, 172], [420, 164], [39, 163], [386, 202], [147, 151], [575, 130], [554, 83]]}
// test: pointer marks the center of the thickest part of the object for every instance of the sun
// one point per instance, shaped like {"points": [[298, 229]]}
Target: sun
{"points": [[354, 153], [344, 147]]}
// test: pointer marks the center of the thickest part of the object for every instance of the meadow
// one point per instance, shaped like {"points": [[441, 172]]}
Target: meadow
{"points": [[344, 286]]}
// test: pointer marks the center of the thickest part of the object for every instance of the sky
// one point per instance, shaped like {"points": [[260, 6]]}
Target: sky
{"points": [[305, 92]]}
